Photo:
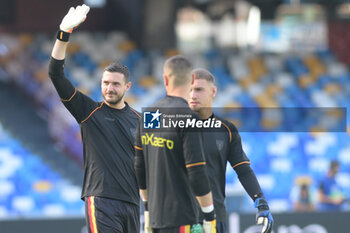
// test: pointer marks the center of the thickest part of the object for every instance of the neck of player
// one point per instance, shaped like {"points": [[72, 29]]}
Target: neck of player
{"points": [[178, 92], [119, 105], [205, 113]]}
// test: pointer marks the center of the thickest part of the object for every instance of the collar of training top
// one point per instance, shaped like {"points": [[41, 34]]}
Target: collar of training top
{"points": [[177, 97], [126, 107]]}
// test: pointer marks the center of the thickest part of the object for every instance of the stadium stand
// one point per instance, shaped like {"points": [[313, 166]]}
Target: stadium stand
{"points": [[30, 187]]}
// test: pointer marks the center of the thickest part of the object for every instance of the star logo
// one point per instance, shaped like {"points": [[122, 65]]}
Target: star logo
{"points": [[156, 115]]}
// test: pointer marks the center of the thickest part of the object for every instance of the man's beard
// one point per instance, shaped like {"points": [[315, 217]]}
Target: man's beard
{"points": [[114, 101], [195, 108]]}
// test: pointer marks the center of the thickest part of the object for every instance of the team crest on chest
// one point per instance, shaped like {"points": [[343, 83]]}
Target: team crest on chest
{"points": [[219, 144], [133, 132]]}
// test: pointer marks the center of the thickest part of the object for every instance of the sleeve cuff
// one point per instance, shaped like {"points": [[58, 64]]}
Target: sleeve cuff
{"points": [[58, 62]]}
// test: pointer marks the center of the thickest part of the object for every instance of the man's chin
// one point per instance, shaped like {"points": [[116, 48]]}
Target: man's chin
{"points": [[112, 101], [195, 108]]}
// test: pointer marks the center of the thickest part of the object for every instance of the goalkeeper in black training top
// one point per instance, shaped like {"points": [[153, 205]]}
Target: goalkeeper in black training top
{"points": [[222, 147], [170, 165], [110, 188]]}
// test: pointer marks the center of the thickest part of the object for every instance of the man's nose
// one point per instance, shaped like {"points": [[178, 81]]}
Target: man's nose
{"points": [[109, 87], [193, 95]]}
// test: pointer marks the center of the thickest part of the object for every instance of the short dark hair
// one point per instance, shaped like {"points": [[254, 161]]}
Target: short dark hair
{"points": [[200, 73], [118, 67], [304, 187], [334, 164], [180, 68]]}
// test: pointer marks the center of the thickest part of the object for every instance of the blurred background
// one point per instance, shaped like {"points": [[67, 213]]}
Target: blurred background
{"points": [[263, 53]]}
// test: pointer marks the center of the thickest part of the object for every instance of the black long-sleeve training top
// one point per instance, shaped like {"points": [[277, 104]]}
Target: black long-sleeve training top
{"points": [[222, 146], [171, 166], [108, 136]]}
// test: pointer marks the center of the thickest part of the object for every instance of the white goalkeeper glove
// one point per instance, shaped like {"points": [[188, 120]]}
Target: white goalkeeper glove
{"points": [[74, 17], [209, 226], [209, 222], [147, 228]]}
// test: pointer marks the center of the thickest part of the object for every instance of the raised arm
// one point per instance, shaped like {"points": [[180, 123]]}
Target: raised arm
{"points": [[59, 50], [78, 104], [73, 19]]}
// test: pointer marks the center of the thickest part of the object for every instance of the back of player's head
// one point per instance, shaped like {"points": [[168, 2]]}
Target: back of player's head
{"points": [[178, 69], [200, 73], [118, 67]]}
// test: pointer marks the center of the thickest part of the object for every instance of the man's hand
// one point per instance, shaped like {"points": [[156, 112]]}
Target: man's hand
{"points": [[209, 226], [209, 222], [74, 17], [263, 216], [147, 228]]}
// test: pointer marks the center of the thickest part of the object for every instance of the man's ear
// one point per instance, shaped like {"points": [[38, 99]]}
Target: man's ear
{"points": [[166, 80], [215, 89], [128, 85]]}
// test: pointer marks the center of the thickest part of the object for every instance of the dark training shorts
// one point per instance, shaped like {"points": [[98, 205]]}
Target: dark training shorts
{"points": [[104, 215], [220, 228], [181, 229]]}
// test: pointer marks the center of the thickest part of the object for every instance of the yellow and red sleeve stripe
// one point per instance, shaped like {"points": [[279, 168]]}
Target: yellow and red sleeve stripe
{"points": [[92, 218], [185, 229], [244, 162], [135, 112], [67, 100], [92, 113], [138, 148], [229, 131], [195, 164]]}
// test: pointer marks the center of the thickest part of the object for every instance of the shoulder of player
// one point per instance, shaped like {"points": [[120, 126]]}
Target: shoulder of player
{"points": [[134, 113], [174, 101], [83, 99], [162, 103], [95, 107], [172, 104], [225, 123]]}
